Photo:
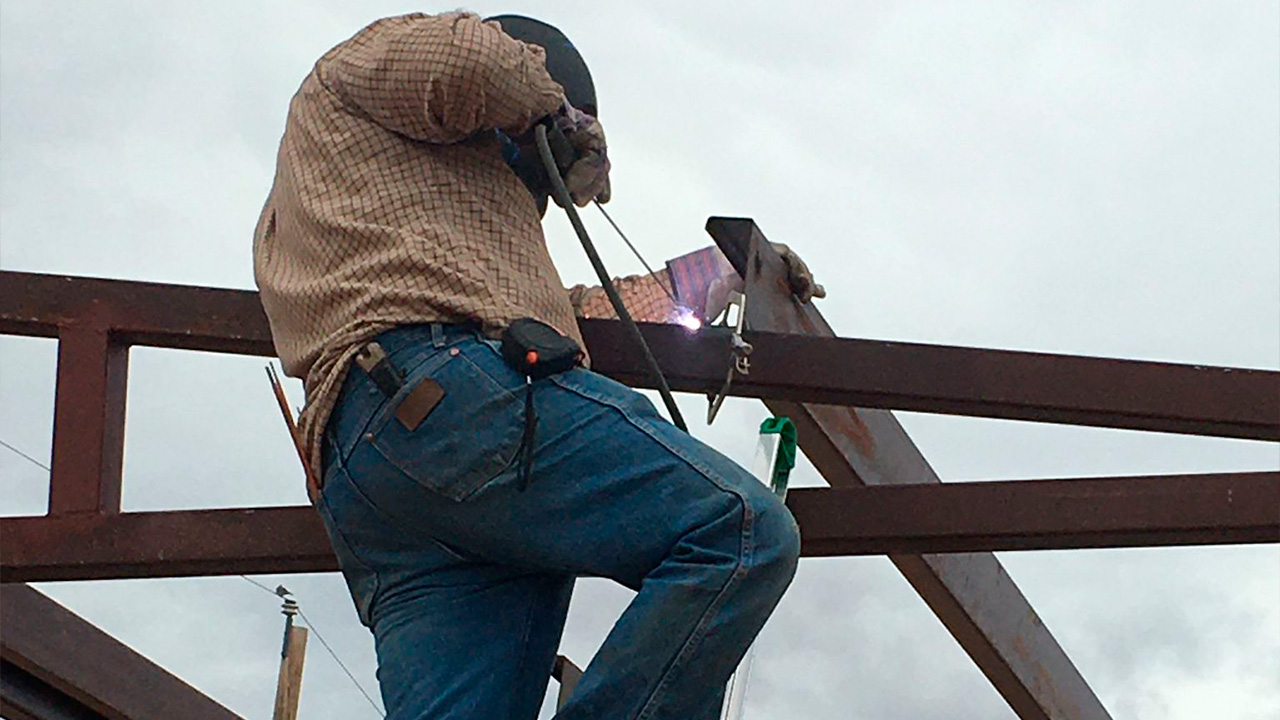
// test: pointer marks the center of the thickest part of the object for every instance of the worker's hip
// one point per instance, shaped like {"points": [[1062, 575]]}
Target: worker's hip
{"points": [[614, 487], [465, 428]]}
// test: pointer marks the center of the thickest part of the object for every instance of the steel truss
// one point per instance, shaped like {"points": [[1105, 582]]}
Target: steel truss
{"points": [[884, 497]]}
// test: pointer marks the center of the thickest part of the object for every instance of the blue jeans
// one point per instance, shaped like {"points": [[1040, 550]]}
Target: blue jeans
{"points": [[465, 579]]}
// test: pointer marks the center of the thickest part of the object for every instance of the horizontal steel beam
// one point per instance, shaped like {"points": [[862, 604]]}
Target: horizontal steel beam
{"points": [[67, 668], [1218, 509], [936, 518], [1065, 389], [164, 544], [136, 313], [1167, 397]]}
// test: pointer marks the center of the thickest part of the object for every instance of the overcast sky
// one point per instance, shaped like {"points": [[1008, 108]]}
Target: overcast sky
{"points": [[1097, 178]]}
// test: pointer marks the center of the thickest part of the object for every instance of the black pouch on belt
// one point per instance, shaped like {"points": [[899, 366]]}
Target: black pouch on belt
{"points": [[536, 350]]}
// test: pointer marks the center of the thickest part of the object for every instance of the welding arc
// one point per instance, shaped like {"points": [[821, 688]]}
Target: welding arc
{"points": [[565, 200]]}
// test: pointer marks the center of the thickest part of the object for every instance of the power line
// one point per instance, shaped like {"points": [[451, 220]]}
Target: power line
{"points": [[278, 593], [264, 588], [251, 581], [28, 457], [334, 655]]}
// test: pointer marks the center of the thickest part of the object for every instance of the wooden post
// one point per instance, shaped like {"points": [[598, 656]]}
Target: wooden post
{"points": [[293, 654]]}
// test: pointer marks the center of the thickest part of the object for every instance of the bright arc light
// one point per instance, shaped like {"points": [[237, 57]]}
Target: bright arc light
{"points": [[687, 319]]}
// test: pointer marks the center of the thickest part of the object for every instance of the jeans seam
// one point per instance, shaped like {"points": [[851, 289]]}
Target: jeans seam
{"points": [[323, 507], [391, 521], [480, 369], [524, 655]]}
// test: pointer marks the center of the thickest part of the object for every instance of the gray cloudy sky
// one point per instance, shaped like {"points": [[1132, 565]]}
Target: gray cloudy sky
{"points": [[1096, 178]]}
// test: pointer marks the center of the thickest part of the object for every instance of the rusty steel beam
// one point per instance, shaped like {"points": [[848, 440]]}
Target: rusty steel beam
{"points": [[1212, 509], [1228, 402], [928, 517], [164, 544], [971, 594], [138, 313], [1010, 385], [23, 696], [57, 665], [88, 426]]}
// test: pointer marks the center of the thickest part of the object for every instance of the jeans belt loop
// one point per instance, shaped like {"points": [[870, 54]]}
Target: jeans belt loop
{"points": [[437, 334]]}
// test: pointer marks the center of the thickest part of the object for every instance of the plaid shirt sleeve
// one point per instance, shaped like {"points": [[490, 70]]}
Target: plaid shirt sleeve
{"points": [[648, 298], [442, 78], [645, 297]]}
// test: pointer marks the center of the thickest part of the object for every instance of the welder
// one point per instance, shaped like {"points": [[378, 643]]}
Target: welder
{"points": [[400, 246]]}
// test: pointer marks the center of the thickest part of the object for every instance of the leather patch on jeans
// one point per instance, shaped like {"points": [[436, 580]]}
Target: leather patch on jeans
{"points": [[419, 403]]}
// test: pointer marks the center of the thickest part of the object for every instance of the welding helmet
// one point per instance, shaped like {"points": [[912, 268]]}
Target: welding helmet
{"points": [[564, 63]]}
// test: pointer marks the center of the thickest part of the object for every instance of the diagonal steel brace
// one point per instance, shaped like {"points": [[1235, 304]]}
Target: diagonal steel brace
{"points": [[970, 593]]}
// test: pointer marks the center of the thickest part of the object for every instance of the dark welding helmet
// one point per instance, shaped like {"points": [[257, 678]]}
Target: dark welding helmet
{"points": [[564, 63], [566, 67]]}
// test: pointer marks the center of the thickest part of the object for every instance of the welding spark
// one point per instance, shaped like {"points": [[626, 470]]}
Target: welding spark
{"points": [[687, 319]]}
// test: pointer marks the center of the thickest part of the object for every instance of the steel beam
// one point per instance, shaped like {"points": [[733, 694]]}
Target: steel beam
{"points": [[1216, 509], [23, 696], [952, 517], [1228, 402], [164, 544], [88, 421], [67, 668], [971, 594], [1039, 387]]}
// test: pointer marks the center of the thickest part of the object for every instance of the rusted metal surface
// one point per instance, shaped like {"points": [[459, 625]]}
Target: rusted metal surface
{"points": [[838, 399], [24, 697], [164, 544], [88, 428], [64, 667], [155, 314], [567, 674], [928, 517], [1229, 402], [971, 594], [1040, 387], [1211, 509]]}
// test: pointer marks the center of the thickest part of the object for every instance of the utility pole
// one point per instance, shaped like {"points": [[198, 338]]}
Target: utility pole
{"points": [[292, 654]]}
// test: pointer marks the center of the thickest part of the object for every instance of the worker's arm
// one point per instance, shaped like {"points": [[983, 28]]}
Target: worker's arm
{"points": [[696, 285], [441, 78], [644, 295]]}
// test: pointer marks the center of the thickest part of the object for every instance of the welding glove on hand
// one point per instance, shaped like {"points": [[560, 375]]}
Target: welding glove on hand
{"points": [[799, 278], [588, 177]]}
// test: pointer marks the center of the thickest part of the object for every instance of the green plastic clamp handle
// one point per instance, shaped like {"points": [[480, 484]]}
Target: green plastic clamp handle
{"points": [[786, 458]]}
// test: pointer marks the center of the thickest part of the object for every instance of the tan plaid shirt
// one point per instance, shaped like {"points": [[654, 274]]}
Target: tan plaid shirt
{"points": [[392, 203]]}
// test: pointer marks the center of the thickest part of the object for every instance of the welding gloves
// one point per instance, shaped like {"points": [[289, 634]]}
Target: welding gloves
{"points": [[798, 275], [588, 177]]}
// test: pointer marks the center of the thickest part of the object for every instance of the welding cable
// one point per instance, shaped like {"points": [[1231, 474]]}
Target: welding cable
{"points": [[565, 200]]}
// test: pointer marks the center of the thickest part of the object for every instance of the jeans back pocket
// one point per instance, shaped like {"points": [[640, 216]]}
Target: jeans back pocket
{"points": [[469, 439]]}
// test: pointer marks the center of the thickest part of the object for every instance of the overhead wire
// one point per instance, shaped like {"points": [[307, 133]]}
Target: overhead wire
{"points": [[36, 462], [265, 589], [338, 660], [278, 594]]}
